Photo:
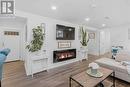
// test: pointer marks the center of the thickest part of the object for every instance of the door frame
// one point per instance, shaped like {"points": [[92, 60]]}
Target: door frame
{"points": [[100, 42], [21, 41]]}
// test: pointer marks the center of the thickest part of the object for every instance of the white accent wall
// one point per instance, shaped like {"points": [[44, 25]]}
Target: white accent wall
{"points": [[50, 44]]}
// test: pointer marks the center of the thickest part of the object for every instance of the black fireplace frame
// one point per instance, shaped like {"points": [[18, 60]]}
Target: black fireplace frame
{"points": [[55, 60]]}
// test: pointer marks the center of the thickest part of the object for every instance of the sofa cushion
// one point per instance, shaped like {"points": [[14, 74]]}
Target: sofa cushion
{"points": [[123, 56], [5, 51], [112, 64], [125, 63], [2, 59]]}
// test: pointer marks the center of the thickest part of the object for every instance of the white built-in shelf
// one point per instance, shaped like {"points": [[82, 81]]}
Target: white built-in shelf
{"points": [[38, 63], [38, 57]]}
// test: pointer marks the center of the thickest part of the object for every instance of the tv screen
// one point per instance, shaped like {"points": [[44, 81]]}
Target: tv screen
{"points": [[65, 32]]}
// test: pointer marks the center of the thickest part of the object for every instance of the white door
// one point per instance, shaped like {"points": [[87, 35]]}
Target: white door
{"points": [[11, 39], [102, 42]]}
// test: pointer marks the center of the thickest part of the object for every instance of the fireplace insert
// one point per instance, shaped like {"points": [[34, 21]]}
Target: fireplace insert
{"points": [[62, 55]]}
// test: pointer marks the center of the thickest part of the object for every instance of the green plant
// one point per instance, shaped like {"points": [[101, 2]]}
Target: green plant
{"points": [[38, 39], [84, 37]]}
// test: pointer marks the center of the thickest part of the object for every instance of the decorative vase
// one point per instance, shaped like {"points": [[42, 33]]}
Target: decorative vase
{"points": [[84, 48], [94, 71], [84, 52], [94, 67], [37, 53]]}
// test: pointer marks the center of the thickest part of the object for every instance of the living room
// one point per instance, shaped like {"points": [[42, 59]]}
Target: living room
{"points": [[50, 40]]}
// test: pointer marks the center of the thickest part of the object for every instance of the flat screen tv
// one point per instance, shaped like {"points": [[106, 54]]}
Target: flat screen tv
{"points": [[65, 32]]}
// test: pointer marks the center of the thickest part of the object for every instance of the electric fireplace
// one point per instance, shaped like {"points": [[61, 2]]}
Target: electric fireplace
{"points": [[62, 55]]}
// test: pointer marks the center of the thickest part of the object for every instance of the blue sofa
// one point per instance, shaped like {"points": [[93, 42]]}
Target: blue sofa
{"points": [[3, 56]]}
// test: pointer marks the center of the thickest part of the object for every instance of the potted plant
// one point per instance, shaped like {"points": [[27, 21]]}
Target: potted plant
{"points": [[84, 38], [37, 41]]}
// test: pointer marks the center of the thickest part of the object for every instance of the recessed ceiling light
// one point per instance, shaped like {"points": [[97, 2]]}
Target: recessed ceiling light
{"points": [[107, 17], [53, 7], [87, 19], [93, 5], [103, 25]]}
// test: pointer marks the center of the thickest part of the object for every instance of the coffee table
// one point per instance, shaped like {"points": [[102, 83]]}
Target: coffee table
{"points": [[85, 80]]}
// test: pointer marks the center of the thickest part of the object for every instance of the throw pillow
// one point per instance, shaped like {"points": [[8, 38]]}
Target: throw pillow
{"points": [[122, 56], [125, 63]]}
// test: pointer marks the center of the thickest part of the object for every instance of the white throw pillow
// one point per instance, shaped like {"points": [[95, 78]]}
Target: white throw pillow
{"points": [[123, 56], [125, 63]]}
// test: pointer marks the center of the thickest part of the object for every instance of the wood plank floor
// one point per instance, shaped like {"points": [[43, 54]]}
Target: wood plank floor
{"points": [[14, 75]]}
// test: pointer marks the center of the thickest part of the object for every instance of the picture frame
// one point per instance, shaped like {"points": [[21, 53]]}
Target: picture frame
{"points": [[59, 34], [91, 35], [64, 44]]}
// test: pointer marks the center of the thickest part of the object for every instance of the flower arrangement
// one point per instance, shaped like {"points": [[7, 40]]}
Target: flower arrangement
{"points": [[94, 67]]}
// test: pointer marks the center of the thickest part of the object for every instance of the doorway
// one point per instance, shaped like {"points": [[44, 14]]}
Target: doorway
{"points": [[104, 42], [11, 39], [12, 35]]}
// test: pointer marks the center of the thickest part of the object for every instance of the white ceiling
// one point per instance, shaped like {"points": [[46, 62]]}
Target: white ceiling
{"points": [[13, 22], [75, 11]]}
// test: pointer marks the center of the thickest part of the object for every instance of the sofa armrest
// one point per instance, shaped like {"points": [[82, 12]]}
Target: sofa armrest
{"points": [[5, 51]]}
